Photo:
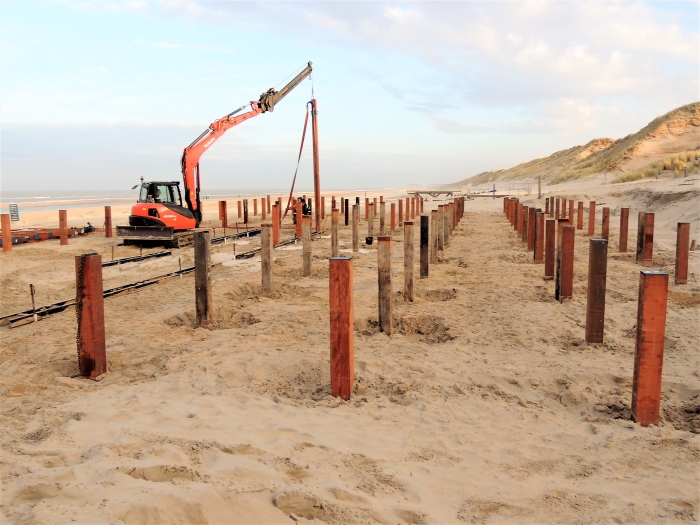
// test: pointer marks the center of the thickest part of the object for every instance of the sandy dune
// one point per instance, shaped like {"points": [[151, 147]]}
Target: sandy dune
{"points": [[486, 406]]}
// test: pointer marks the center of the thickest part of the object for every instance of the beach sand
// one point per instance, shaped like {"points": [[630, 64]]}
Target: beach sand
{"points": [[486, 406]]}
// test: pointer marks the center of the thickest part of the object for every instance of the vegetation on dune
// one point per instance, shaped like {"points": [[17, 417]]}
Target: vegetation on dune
{"points": [[681, 164]]}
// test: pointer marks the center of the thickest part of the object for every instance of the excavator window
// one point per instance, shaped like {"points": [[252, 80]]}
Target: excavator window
{"points": [[165, 193]]}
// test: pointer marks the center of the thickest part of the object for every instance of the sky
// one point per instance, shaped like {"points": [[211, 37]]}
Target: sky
{"points": [[96, 93]]}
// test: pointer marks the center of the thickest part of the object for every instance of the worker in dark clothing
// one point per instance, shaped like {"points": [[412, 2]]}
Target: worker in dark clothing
{"points": [[305, 208]]}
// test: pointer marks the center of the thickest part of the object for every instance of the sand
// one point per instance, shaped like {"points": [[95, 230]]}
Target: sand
{"points": [[486, 407]]}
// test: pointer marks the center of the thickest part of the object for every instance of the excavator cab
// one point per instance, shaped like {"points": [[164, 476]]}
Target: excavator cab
{"points": [[160, 204], [165, 192]]}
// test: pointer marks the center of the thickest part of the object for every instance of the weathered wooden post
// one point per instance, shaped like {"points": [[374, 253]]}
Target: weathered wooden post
{"points": [[366, 209], [519, 225], [591, 219], [269, 206], [275, 224], [224, 214], [408, 210], [571, 212], [393, 216], [605, 230], [413, 208], [440, 228], [624, 228], [563, 209], [342, 316], [108, 221], [550, 249], [370, 221], [6, 233], [306, 244], [531, 228], [240, 209], [382, 218], [299, 213], [374, 207], [682, 245], [245, 211], [89, 309], [556, 208], [408, 262], [385, 292], [335, 220], [446, 225], [63, 226], [526, 218], [565, 265], [595, 297], [263, 207], [266, 257], [347, 211], [546, 207], [539, 238], [400, 212], [255, 208], [649, 348], [424, 245], [356, 228], [323, 208], [539, 187], [645, 238], [579, 216], [433, 237], [202, 278]]}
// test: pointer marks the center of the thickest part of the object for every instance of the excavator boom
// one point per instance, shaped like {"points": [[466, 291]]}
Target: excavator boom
{"points": [[193, 152]]}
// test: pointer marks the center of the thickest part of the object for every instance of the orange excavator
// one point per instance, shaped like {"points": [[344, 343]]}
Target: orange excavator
{"points": [[159, 215]]}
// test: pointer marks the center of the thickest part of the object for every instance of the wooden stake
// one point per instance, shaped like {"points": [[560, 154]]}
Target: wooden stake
{"points": [[565, 282], [546, 207], [263, 207], [266, 257], [682, 245], [356, 228], [269, 205], [579, 217], [347, 210], [63, 226], [440, 228], [400, 212], [539, 187], [366, 209], [408, 262], [335, 221], [276, 219], [323, 208], [445, 225], [556, 208], [434, 237], [306, 244], [375, 208], [531, 228], [202, 278], [595, 296], [649, 348], [538, 240], [385, 292], [605, 231], [370, 221], [624, 228], [240, 209], [382, 218], [108, 221], [255, 208], [6, 233], [645, 238], [393, 216], [299, 214], [550, 249], [591, 219], [342, 316], [526, 219], [89, 304], [519, 225], [424, 245]]}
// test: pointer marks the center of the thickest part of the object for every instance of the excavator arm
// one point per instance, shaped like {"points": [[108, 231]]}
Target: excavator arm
{"points": [[193, 152]]}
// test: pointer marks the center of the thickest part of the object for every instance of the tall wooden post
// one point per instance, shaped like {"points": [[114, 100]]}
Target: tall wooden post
{"points": [[323, 207], [6, 233], [382, 218], [550, 249], [445, 225], [539, 238], [245, 211], [384, 277], [539, 187], [408, 210], [255, 208], [440, 228], [63, 226], [547, 207], [108, 221], [520, 220], [366, 209], [556, 208], [89, 305], [342, 317], [433, 237], [370, 221], [224, 214], [531, 228], [266, 257], [408, 262], [400, 212], [393, 216], [269, 207], [335, 221], [524, 228], [595, 296], [374, 207], [347, 210], [202, 278], [682, 248], [306, 244], [649, 348], [299, 212], [565, 276], [605, 231], [563, 209], [591, 219], [645, 238], [317, 167], [356, 228], [624, 228], [275, 224], [579, 216], [240, 209], [424, 245], [263, 206]]}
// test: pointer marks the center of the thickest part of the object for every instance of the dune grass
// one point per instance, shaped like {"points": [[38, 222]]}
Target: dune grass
{"points": [[677, 164]]}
